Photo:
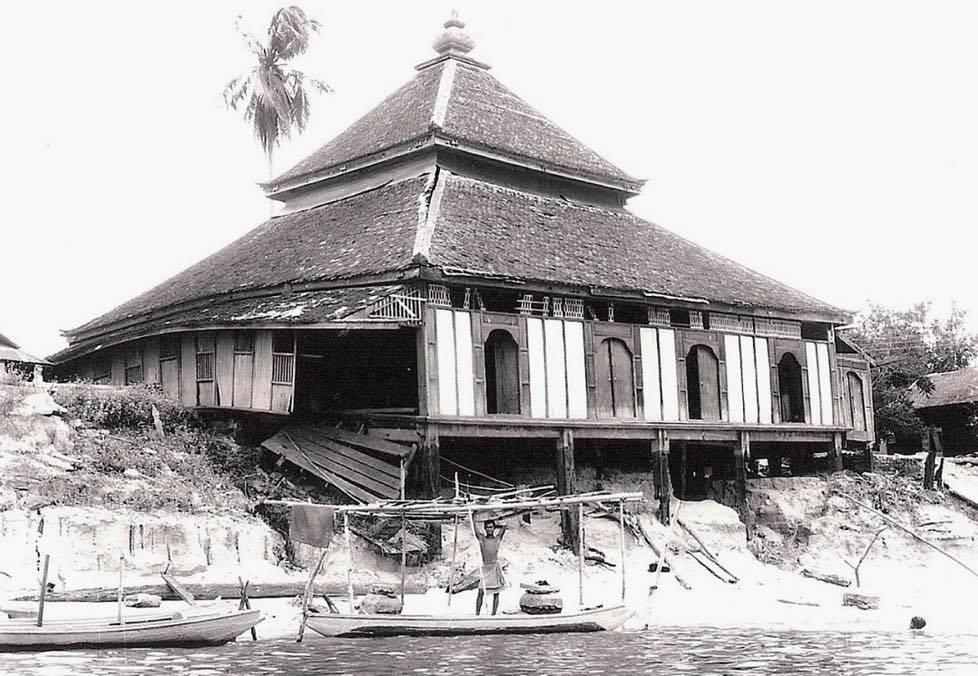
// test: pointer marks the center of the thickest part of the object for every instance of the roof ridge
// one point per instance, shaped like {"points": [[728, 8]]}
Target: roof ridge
{"points": [[446, 86], [429, 202]]}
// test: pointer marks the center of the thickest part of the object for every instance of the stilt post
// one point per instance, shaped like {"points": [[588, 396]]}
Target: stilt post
{"points": [[451, 570], [349, 562], [306, 596], [741, 453], [122, 563], [580, 554], [44, 591], [837, 452], [565, 486], [660, 475], [429, 478], [403, 556], [621, 544]]}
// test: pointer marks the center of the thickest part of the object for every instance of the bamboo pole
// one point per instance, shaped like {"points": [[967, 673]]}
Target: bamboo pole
{"points": [[349, 563], [403, 480], [621, 544], [451, 570], [306, 595], [122, 563], [44, 591], [403, 556], [580, 554], [439, 510], [482, 572], [897, 524]]}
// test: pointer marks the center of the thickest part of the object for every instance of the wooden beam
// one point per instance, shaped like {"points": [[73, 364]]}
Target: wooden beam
{"points": [[661, 479], [566, 480], [741, 454]]}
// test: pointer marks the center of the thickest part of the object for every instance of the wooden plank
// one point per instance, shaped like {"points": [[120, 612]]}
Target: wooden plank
{"points": [[667, 374], [178, 589], [576, 376], [261, 392], [649, 342], [188, 369], [279, 444], [763, 369], [553, 330], [537, 370], [224, 368], [395, 434], [445, 346], [735, 387], [479, 361], [364, 441], [464, 372], [814, 393], [524, 361], [343, 468], [326, 446], [151, 360], [824, 382], [281, 398], [117, 366], [604, 397], [170, 377], [243, 377], [430, 348], [748, 371]]}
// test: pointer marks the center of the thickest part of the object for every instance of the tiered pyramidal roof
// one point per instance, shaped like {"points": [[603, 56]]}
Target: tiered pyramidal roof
{"points": [[453, 174]]}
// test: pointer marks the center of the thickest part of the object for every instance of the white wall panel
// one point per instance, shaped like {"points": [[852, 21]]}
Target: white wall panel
{"points": [[463, 361], [553, 331], [650, 373], [538, 377], [814, 397], [735, 387], [576, 380], [825, 382], [667, 369], [748, 370], [762, 363], [445, 339]]}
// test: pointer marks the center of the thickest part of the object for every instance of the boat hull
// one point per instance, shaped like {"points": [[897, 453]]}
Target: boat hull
{"points": [[196, 630], [354, 626]]}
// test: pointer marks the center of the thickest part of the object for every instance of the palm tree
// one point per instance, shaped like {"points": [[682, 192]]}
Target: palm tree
{"points": [[274, 97]]}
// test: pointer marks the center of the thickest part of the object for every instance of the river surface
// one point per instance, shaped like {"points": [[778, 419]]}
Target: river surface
{"points": [[666, 651]]}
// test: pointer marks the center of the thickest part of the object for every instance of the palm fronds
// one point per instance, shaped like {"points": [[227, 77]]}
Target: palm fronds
{"points": [[273, 97]]}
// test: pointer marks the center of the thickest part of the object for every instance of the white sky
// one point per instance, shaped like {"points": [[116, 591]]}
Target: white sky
{"points": [[831, 145]]}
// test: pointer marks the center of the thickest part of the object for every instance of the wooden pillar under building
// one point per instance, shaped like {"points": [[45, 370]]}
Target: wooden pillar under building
{"points": [[428, 485], [869, 458], [836, 452], [681, 451], [565, 486], [741, 455], [660, 476]]}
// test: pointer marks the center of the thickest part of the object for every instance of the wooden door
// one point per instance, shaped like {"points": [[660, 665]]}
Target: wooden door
{"points": [[614, 380], [856, 402], [502, 373], [170, 377]]}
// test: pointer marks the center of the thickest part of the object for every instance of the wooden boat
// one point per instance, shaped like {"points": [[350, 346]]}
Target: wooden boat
{"points": [[205, 626], [349, 626]]}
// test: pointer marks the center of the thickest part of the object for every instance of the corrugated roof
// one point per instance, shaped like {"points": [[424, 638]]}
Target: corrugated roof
{"points": [[501, 231], [293, 309], [954, 387], [475, 109]]}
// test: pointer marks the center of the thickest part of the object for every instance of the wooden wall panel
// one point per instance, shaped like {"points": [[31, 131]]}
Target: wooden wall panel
{"points": [[824, 382], [151, 360], [667, 370], [445, 346], [556, 360], [188, 369], [463, 363], [430, 348], [537, 367], [224, 368], [762, 361], [117, 363], [748, 371], [523, 342], [652, 387], [576, 377], [261, 393], [735, 388], [243, 377], [639, 371], [281, 398], [479, 336], [814, 395]]}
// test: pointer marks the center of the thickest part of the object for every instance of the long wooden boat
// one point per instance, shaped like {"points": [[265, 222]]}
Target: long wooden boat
{"points": [[350, 626], [206, 626]]}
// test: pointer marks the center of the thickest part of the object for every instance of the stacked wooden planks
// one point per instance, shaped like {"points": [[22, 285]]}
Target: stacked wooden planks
{"points": [[365, 467]]}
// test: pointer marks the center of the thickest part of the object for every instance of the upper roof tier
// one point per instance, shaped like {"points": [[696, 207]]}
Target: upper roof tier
{"points": [[453, 101]]}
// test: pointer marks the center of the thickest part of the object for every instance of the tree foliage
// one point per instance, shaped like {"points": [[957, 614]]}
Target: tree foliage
{"points": [[907, 345], [273, 96]]}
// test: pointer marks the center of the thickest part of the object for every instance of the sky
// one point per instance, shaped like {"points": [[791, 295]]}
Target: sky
{"points": [[832, 145]]}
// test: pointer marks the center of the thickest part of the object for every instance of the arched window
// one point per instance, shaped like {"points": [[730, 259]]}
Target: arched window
{"points": [[789, 385], [614, 379], [502, 373], [702, 384], [857, 403]]}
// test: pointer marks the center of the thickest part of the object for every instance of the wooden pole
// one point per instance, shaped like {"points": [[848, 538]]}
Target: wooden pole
{"points": [[451, 571], [403, 556], [349, 563], [621, 543], [122, 562], [403, 481], [44, 591], [580, 554], [306, 596], [482, 572]]}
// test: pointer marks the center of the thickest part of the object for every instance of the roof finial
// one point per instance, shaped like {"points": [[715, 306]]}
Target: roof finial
{"points": [[454, 41]]}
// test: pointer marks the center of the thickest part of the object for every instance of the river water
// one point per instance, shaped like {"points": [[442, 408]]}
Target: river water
{"points": [[698, 650]]}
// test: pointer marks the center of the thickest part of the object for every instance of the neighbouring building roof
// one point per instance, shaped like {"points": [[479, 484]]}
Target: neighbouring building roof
{"points": [[11, 352], [954, 387]]}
